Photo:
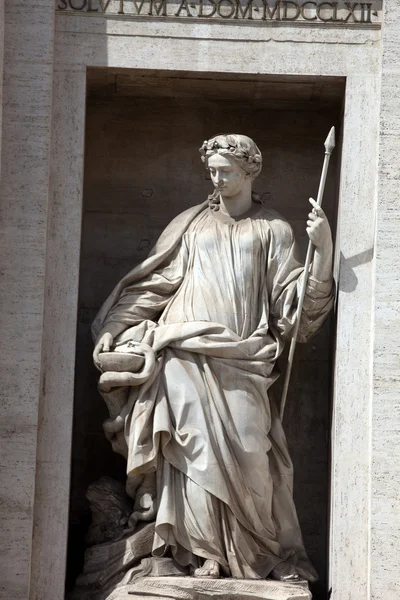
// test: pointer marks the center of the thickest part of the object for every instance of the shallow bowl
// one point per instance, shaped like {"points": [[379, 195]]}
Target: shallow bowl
{"points": [[121, 362]]}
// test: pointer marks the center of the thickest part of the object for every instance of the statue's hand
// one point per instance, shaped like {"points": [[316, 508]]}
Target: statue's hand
{"points": [[318, 228], [103, 344]]}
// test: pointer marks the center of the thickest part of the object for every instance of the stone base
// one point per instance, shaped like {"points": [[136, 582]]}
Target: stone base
{"points": [[190, 588]]}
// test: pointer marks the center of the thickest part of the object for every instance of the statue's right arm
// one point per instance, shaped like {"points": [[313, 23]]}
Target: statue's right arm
{"points": [[106, 338]]}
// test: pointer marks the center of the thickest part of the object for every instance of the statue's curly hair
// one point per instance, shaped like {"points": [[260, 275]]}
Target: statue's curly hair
{"points": [[241, 147]]}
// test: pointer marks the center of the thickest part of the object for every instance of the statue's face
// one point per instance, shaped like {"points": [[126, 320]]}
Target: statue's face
{"points": [[227, 175]]}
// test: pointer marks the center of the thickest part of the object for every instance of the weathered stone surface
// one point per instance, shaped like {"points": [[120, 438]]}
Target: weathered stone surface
{"points": [[385, 415], [189, 588], [26, 66]]}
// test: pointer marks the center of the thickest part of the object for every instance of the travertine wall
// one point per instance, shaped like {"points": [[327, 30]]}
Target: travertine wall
{"points": [[25, 152], [385, 421]]}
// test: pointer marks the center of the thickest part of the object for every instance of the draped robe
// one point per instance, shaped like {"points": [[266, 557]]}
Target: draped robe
{"points": [[216, 300]]}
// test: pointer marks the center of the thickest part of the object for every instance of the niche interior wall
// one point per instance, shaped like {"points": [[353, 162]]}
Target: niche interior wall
{"points": [[141, 168]]}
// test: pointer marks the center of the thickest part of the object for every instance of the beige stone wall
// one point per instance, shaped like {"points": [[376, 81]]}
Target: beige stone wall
{"points": [[26, 121], [385, 421]]}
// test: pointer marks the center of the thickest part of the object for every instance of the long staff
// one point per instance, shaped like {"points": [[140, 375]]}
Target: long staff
{"points": [[329, 146]]}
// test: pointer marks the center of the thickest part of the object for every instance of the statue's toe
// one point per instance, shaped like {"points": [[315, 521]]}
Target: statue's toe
{"points": [[210, 569]]}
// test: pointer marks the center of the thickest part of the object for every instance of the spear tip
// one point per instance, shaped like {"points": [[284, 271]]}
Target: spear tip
{"points": [[330, 141]]}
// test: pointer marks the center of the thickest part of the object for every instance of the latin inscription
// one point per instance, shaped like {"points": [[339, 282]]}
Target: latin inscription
{"points": [[262, 10]]}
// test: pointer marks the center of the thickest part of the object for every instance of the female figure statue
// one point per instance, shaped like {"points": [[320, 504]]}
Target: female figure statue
{"points": [[211, 309]]}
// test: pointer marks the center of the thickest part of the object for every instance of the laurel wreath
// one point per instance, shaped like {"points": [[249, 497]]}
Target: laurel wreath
{"points": [[250, 161]]}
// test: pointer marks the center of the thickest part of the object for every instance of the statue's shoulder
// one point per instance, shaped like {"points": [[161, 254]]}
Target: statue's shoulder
{"points": [[177, 227], [192, 211], [277, 224], [188, 214]]}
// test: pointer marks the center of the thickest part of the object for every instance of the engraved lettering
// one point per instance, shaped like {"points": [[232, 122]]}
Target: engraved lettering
{"points": [[303, 9], [71, 3], [243, 13], [90, 7], [271, 14], [285, 11], [365, 10], [139, 6], [320, 8], [351, 7], [231, 8], [104, 6], [183, 6], [210, 14], [160, 7], [325, 11], [368, 12]]}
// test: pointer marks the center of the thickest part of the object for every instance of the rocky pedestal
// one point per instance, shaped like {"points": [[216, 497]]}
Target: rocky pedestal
{"points": [[119, 565]]}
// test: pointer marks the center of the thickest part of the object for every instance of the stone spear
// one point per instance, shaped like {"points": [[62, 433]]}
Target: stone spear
{"points": [[329, 146]]}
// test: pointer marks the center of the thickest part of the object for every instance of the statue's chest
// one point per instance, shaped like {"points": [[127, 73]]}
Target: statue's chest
{"points": [[241, 241]]}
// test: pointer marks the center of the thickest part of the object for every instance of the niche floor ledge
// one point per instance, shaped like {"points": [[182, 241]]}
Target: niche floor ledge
{"points": [[189, 588]]}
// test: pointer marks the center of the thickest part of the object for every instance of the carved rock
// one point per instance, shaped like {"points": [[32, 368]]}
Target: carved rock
{"points": [[109, 565], [111, 508]]}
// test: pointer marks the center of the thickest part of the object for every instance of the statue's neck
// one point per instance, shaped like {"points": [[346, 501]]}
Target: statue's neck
{"points": [[234, 206]]}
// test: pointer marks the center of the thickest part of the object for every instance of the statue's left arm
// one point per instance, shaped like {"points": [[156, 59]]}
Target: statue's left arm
{"points": [[286, 273], [319, 232]]}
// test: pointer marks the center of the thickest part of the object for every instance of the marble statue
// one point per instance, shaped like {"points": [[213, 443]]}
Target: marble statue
{"points": [[187, 344]]}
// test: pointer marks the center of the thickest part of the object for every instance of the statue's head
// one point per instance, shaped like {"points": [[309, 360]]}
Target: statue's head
{"points": [[234, 146]]}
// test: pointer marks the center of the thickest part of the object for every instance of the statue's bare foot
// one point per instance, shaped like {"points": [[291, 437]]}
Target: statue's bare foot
{"points": [[285, 572], [209, 569]]}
